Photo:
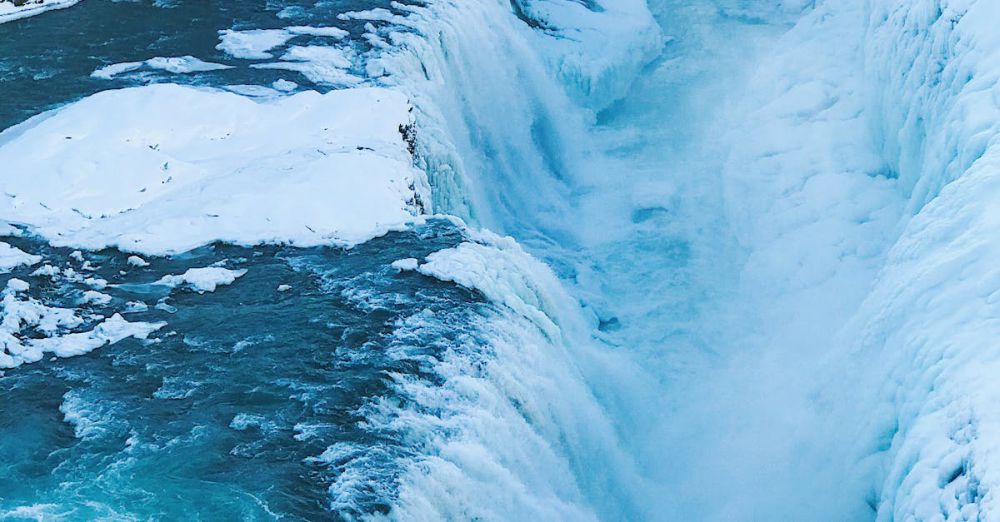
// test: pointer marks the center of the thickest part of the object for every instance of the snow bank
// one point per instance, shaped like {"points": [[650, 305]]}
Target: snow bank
{"points": [[203, 279], [10, 12], [165, 168]]}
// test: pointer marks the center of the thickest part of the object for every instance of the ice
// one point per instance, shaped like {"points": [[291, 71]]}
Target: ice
{"points": [[16, 285], [108, 72], [320, 64], [10, 12], [284, 85], [174, 64], [12, 257], [137, 261], [255, 44], [21, 314], [203, 280], [306, 169], [110, 331], [405, 265], [95, 297]]}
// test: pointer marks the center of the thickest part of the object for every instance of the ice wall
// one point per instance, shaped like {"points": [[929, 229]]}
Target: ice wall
{"points": [[925, 336]]}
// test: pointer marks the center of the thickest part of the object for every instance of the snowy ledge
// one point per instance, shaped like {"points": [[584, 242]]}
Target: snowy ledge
{"points": [[10, 12], [165, 168]]}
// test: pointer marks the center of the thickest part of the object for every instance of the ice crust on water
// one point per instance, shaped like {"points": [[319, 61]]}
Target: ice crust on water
{"points": [[12, 257], [10, 12], [256, 44], [206, 166], [320, 64], [203, 279], [173, 64], [19, 312]]}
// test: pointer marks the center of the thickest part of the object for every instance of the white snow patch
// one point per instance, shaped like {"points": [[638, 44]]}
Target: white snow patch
{"points": [[284, 85], [173, 64], [203, 279], [137, 261], [255, 44], [12, 257], [320, 64], [404, 265], [95, 297], [17, 285], [205, 165]]}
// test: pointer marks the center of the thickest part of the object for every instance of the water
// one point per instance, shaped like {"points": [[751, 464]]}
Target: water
{"points": [[225, 413], [46, 61]]}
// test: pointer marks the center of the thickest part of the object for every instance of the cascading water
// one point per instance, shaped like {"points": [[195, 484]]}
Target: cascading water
{"points": [[748, 273]]}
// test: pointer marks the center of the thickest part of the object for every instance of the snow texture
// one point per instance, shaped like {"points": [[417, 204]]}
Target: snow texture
{"points": [[165, 168], [203, 280], [174, 64]]}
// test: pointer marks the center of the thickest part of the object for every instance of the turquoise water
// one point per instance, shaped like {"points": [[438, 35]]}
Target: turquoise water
{"points": [[224, 413], [46, 61]]}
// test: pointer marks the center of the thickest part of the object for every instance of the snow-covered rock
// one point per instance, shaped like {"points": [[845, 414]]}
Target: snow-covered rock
{"points": [[166, 168]]}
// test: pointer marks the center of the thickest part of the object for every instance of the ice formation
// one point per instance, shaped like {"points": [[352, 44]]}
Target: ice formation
{"points": [[202, 280], [10, 12], [173, 64]]}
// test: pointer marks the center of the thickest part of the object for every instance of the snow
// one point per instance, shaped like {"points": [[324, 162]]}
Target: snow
{"points": [[205, 166], [320, 64], [137, 261], [18, 312], [203, 280], [12, 257], [284, 85], [110, 331], [255, 44], [405, 265], [9, 12], [922, 346], [16, 285], [174, 64], [94, 297]]}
